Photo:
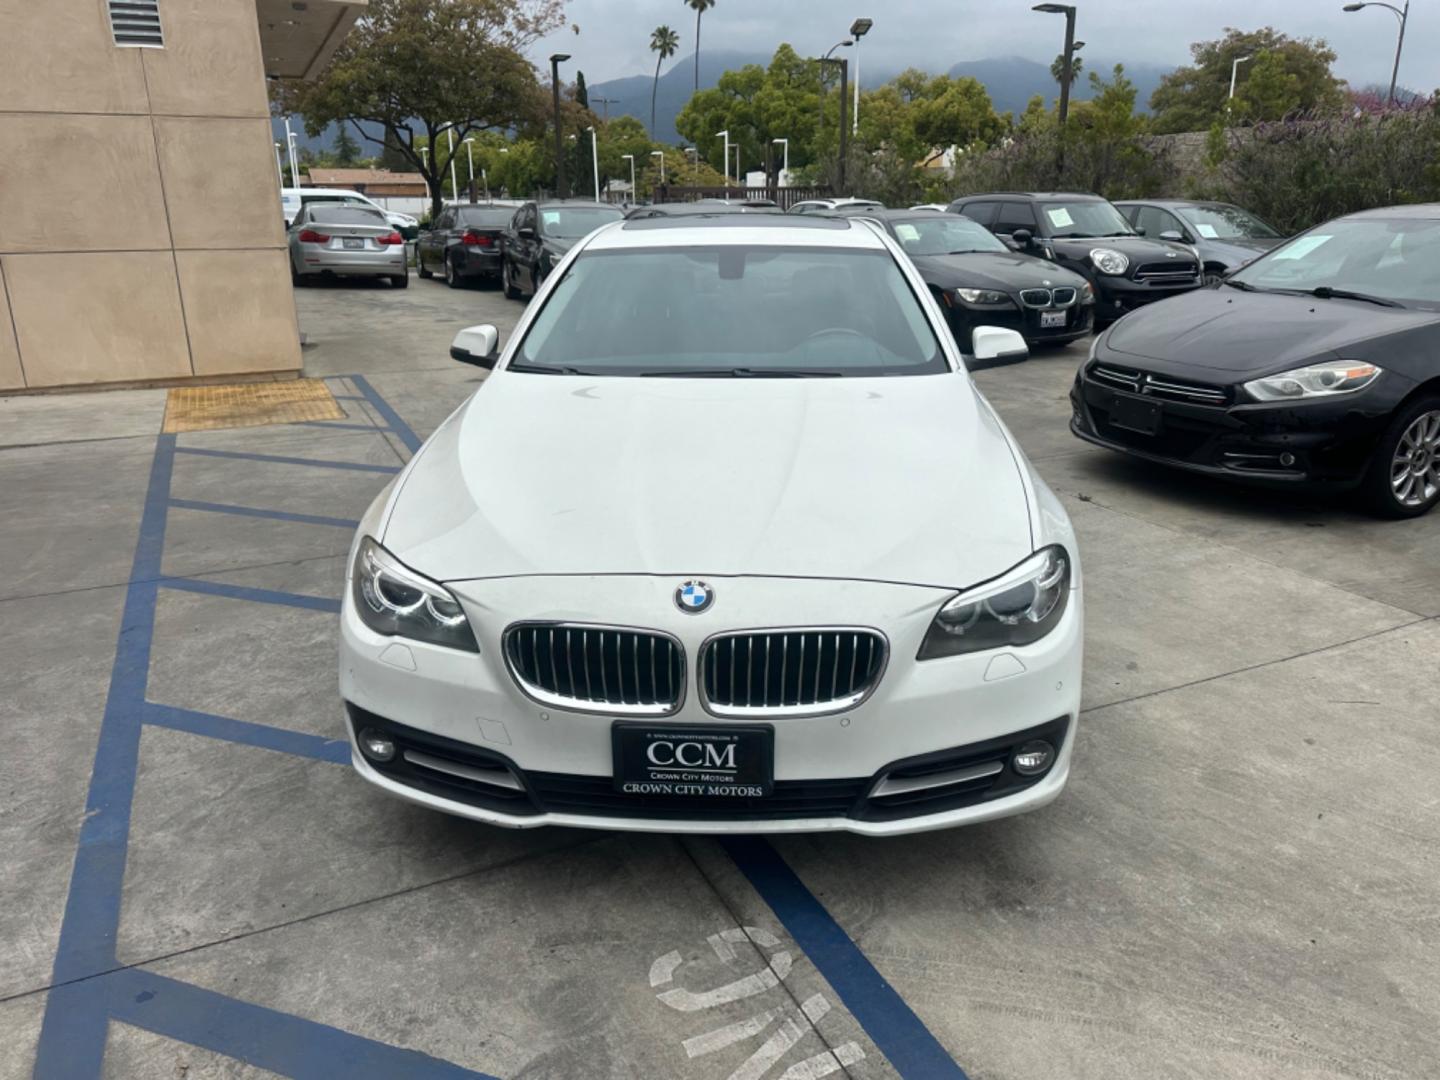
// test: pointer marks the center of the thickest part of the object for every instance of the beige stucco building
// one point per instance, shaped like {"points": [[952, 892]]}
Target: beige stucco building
{"points": [[141, 237]]}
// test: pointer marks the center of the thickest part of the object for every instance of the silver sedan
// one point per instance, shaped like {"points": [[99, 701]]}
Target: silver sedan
{"points": [[333, 239]]}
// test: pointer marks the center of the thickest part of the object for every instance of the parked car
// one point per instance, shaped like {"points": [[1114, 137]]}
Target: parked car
{"points": [[464, 243], [539, 235], [979, 281], [292, 199], [349, 241], [799, 576], [1226, 236], [1086, 234], [826, 206], [1316, 365], [699, 207]]}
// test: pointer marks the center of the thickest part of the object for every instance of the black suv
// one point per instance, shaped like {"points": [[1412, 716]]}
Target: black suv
{"points": [[1086, 234]]}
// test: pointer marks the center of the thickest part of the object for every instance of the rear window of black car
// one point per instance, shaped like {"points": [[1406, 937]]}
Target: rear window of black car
{"points": [[492, 216]]}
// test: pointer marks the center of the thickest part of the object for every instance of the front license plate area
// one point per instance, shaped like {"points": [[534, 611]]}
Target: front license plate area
{"points": [[354, 244], [1050, 320], [1136, 414], [693, 762]]}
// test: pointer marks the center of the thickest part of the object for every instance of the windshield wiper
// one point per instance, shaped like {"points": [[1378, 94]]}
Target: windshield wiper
{"points": [[744, 373], [1325, 292], [549, 369], [1244, 286]]}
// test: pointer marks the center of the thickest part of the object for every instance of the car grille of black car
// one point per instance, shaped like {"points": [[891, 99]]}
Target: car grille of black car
{"points": [[790, 672], [1062, 297], [1142, 382], [597, 668], [1172, 271]]}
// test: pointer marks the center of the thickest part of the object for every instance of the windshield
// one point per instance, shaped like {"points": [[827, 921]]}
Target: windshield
{"points": [[1395, 259], [1221, 222], [732, 311], [571, 223], [945, 234], [488, 215], [1081, 219]]}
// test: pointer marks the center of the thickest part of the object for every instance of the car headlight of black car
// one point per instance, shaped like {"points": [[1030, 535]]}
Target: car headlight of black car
{"points": [[1019, 607], [983, 297], [394, 600], [1326, 379], [1109, 261]]}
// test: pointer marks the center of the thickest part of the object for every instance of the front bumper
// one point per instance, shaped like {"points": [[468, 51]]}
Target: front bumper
{"points": [[951, 713], [1116, 296], [1319, 443]]}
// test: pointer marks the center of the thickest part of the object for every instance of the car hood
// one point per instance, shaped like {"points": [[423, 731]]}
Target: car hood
{"points": [[993, 270], [906, 479], [1137, 249], [1251, 334]]}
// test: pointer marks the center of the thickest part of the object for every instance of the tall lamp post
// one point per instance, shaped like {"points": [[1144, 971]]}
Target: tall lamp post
{"points": [[844, 142], [1068, 10], [785, 168], [595, 159], [279, 169], [470, 156], [661, 155], [1404, 17], [823, 61], [1235, 71], [555, 61], [858, 29], [454, 184], [290, 150], [631, 159], [725, 160]]}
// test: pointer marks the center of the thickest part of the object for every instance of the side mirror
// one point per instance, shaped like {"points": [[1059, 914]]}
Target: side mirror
{"points": [[525, 232], [995, 346], [478, 345], [1173, 235], [1022, 237]]}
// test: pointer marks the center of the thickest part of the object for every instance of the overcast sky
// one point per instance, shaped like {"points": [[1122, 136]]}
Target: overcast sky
{"points": [[933, 34]]}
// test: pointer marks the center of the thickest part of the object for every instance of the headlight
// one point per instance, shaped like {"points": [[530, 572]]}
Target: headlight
{"points": [[982, 296], [1087, 293], [392, 599], [1018, 607], [1318, 380], [1109, 261]]}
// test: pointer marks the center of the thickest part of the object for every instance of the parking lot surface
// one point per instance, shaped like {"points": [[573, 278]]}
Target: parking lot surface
{"points": [[1241, 879]]}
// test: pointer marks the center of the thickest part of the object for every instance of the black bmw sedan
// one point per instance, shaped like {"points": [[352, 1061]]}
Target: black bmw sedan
{"points": [[1318, 364], [979, 281]]}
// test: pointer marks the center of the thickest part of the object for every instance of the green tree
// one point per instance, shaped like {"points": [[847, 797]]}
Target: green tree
{"points": [[663, 43], [1269, 91], [347, 150], [699, 7], [1057, 68], [582, 95], [1190, 98], [429, 64]]}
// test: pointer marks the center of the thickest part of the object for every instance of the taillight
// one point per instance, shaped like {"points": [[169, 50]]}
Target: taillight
{"points": [[310, 236], [474, 239], [393, 238]]}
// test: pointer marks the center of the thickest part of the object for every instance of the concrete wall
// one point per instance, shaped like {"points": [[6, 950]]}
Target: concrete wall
{"points": [[140, 227]]}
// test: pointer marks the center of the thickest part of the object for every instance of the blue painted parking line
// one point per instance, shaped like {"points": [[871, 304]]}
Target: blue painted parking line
{"points": [[245, 592], [252, 511], [389, 415], [279, 459], [892, 1026], [299, 743]]}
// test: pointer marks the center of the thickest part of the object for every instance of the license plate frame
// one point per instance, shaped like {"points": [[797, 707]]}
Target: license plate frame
{"points": [[352, 243], [1136, 414], [1053, 320], [645, 760]]}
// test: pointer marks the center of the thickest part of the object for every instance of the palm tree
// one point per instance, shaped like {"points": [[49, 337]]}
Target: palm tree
{"points": [[663, 41], [700, 6]]}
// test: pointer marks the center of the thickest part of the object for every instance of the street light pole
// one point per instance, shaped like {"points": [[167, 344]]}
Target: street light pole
{"points": [[595, 159], [784, 168], [279, 169], [739, 181], [1067, 71], [1404, 17], [725, 161], [290, 150], [631, 157], [470, 156], [844, 141], [454, 185], [1234, 71], [858, 29], [661, 155], [555, 62], [820, 123]]}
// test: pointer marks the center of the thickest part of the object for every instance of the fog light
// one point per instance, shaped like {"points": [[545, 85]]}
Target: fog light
{"points": [[1287, 459], [376, 746], [1033, 758]]}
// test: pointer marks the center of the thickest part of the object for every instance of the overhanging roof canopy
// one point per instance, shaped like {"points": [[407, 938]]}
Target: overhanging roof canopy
{"points": [[298, 37]]}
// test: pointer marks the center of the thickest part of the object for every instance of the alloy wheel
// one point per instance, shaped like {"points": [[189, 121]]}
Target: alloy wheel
{"points": [[1415, 468]]}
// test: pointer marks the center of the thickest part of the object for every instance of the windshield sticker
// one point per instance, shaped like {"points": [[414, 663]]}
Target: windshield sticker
{"points": [[550, 217], [1302, 247], [1060, 217], [907, 233], [1207, 231]]}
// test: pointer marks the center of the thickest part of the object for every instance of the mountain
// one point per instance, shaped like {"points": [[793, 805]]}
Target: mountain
{"points": [[1012, 81], [632, 93]]}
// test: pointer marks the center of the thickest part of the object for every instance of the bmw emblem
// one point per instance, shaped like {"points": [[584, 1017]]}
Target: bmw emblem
{"points": [[693, 597]]}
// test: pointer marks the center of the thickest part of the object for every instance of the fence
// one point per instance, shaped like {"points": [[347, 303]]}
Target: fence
{"points": [[786, 197]]}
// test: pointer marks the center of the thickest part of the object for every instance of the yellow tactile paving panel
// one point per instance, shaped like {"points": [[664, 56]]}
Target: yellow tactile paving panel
{"points": [[208, 408]]}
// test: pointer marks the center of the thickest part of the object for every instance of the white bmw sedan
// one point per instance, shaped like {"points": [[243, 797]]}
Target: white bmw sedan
{"points": [[727, 542]]}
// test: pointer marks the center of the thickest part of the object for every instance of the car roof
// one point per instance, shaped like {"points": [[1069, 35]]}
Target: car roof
{"points": [[302, 192], [777, 230], [1077, 195], [587, 204], [1172, 204], [1415, 211]]}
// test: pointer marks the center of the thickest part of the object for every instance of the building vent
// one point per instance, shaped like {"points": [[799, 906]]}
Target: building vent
{"points": [[136, 23]]}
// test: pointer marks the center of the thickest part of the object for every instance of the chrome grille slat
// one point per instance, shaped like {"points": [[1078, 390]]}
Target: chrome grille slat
{"points": [[1141, 382], [839, 666], [543, 658]]}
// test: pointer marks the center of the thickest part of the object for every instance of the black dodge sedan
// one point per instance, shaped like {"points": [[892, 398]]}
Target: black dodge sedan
{"points": [[981, 282], [1318, 364], [1086, 234]]}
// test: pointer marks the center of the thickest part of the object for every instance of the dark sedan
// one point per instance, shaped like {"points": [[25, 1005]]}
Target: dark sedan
{"points": [[1318, 364], [541, 233], [1226, 236], [979, 281], [464, 243]]}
